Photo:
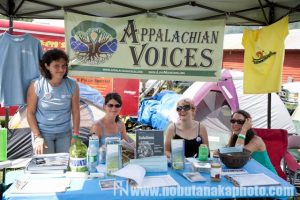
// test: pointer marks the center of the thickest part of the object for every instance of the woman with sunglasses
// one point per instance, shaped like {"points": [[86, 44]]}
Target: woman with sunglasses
{"points": [[110, 125], [193, 133], [243, 135]]}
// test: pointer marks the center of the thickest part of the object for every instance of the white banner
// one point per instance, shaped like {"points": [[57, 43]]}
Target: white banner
{"points": [[145, 47]]}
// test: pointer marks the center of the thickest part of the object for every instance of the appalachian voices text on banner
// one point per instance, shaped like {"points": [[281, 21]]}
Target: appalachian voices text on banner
{"points": [[144, 47]]}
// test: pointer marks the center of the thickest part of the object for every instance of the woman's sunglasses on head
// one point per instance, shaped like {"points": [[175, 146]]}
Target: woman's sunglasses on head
{"points": [[238, 121], [185, 108], [113, 105]]}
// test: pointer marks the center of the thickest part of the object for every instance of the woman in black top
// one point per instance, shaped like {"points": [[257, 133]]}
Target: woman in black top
{"points": [[186, 128]]}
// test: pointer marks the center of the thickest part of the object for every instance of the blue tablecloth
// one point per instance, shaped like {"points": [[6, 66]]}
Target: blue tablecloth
{"points": [[89, 189]]}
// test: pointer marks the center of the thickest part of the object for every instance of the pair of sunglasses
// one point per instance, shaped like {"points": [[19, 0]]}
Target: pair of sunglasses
{"points": [[185, 108], [238, 121], [113, 105]]}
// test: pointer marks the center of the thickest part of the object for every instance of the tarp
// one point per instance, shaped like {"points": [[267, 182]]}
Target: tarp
{"points": [[154, 111]]}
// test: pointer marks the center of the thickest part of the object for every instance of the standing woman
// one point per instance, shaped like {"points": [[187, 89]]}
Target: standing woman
{"points": [[110, 125], [243, 135], [51, 100], [186, 128]]}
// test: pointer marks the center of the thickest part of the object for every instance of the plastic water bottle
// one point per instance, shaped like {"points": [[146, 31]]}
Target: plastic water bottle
{"points": [[102, 154], [92, 155]]}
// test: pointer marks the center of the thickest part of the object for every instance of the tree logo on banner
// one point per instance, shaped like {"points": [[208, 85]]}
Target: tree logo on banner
{"points": [[261, 56], [93, 42]]}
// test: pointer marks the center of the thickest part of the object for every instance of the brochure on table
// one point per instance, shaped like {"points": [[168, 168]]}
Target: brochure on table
{"points": [[149, 143], [48, 163], [113, 158], [177, 153], [137, 174]]}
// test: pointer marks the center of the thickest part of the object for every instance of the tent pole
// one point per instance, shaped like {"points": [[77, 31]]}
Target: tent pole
{"points": [[269, 109], [271, 20], [10, 9]]}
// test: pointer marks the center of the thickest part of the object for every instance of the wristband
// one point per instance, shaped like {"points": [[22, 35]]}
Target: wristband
{"points": [[242, 137], [74, 136], [36, 136], [76, 133]]}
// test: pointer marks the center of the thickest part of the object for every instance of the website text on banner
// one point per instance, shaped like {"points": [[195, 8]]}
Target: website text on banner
{"points": [[148, 47]]}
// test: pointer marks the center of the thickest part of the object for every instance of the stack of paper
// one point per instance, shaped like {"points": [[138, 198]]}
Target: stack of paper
{"points": [[244, 180], [233, 171], [48, 163], [33, 186], [137, 174], [152, 164]]}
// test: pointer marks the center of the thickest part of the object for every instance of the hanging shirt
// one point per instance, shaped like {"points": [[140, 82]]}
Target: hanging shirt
{"points": [[53, 112], [263, 57], [19, 65]]}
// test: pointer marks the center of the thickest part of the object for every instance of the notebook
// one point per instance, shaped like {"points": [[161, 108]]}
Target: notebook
{"points": [[246, 180]]}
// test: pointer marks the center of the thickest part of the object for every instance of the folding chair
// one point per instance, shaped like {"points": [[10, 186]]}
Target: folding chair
{"points": [[276, 141], [292, 169], [294, 142]]}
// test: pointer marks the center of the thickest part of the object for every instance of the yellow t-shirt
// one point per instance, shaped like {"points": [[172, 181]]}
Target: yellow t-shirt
{"points": [[263, 57]]}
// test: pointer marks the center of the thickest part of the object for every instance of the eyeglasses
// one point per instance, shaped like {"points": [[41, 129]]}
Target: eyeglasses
{"points": [[185, 108], [238, 121], [113, 105]]}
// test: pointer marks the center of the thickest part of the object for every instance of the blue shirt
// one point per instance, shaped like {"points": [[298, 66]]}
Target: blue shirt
{"points": [[106, 135], [19, 65], [53, 112]]}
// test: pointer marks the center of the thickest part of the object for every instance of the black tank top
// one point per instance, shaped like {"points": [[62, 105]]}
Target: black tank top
{"points": [[190, 146]]}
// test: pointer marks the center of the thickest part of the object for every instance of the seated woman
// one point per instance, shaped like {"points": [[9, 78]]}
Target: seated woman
{"points": [[110, 125], [186, 128], [243, 135]]}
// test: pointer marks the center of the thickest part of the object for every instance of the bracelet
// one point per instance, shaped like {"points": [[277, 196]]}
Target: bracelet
{"points": [[76, 133], [75, 136], [37, 136], [242, 137]]}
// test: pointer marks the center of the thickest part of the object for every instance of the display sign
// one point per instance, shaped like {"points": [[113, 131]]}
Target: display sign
{"points": [[157, 47]]}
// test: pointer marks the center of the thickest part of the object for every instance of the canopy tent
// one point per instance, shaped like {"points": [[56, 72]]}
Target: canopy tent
{"points": [[236, 12]]}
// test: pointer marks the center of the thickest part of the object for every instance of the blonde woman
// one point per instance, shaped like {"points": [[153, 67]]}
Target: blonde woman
{"points": [[193, 133]]}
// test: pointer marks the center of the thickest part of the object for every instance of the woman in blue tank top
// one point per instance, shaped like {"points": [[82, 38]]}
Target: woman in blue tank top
{"points": [[110, 125], [186, 128], [51, 100], [243, 135]]}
